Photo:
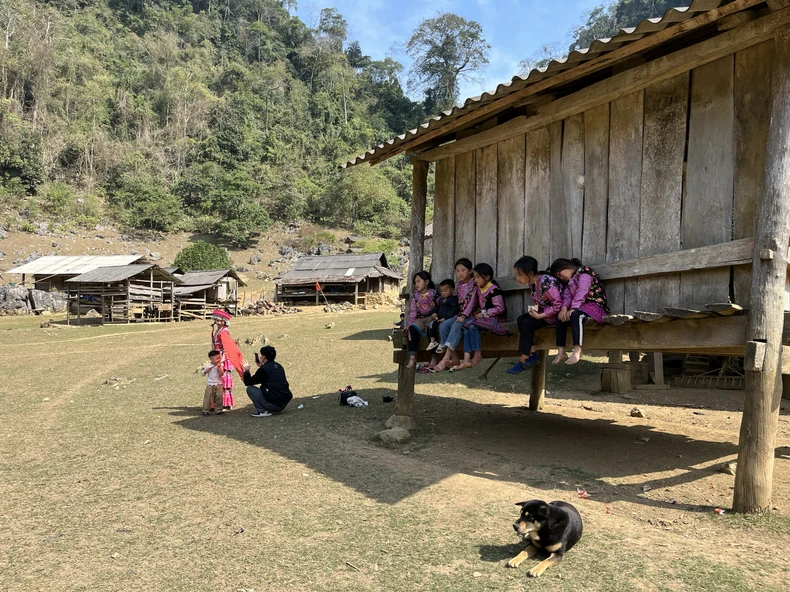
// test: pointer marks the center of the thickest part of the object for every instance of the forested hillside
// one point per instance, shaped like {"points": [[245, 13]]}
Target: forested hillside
{"points": [[198, 116]]}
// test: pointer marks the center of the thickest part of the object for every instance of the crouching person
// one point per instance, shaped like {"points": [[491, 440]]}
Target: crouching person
{"points": [[274, 393]]}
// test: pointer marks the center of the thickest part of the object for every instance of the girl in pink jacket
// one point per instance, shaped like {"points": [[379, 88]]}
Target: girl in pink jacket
{"points": [[583, 298]]}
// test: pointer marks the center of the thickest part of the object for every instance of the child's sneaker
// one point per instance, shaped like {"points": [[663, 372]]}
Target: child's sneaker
{"points": [[517, 368], [432, 345], [440, 349], [205, 413], [261, 414], [220, 412]]}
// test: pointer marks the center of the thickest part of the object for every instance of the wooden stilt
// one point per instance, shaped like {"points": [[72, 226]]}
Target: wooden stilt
{"points": [[615, 376], [753, 479], [537, 393], [657, 375]]}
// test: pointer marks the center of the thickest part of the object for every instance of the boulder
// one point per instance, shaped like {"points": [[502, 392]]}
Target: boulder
{"points": [[394, 435]]}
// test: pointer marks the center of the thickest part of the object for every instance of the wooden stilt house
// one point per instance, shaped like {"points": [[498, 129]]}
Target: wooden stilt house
{"points": [[350, 277], [122, 294], [199, 293], [660, 157]]}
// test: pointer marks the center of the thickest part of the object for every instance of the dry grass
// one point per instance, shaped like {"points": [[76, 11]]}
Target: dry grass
{"points": [[131, 489]]}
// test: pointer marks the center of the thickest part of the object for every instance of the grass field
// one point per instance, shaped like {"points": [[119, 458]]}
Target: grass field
{"points": [[130, 488]]}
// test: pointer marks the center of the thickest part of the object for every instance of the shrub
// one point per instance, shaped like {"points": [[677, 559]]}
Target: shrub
{"points": [[63, 204], [142, 203], [202, 255]]}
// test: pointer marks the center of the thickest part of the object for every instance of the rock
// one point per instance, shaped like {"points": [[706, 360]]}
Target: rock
{"points": [[92, 314], [284, 336], [394, 435], [154, 256], [637, 412], [254, 260], [43, 226], [329, 325], [401, 421], [3, 233], [133, 252], [727, 468]]}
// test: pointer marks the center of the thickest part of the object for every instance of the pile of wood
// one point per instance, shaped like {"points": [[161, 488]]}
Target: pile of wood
{"points": [[264, 307]]}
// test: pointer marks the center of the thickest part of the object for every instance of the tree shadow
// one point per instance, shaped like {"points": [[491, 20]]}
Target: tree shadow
{"points": [[544, 450]]}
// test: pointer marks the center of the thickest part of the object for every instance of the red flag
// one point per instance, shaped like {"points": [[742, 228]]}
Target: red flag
{"points": [[317, 287]]}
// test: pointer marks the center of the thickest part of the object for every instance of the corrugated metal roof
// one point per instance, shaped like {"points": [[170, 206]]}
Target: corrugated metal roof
{"points": [[207, 276], [74, 264], [184, 290], [337, 269], [517, 83], [106, 275], [346, 261]]}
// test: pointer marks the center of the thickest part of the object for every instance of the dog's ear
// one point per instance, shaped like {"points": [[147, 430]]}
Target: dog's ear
{"points": [[543, 511], [521, 504]]}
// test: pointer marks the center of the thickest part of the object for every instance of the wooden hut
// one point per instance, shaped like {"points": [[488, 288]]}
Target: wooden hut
{"points": [[140, 292], [51, 272], [341, 277], [200, 292], [658, 156]]}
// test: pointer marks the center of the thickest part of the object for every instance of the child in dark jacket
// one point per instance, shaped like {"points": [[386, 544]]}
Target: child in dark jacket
{"points": [[446, 308]]}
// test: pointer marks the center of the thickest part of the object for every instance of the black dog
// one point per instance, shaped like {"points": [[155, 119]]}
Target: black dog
{"points": [[555, 527]]}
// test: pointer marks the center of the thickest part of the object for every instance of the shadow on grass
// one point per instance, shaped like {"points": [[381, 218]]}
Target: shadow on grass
{"points": [[544, 450], [369, 335], [498, 553]]}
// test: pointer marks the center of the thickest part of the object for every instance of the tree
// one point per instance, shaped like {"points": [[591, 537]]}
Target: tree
{"points": [[606, 21], [445, 49], [202, 255]]}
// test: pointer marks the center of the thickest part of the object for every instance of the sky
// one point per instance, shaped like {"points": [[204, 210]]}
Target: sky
{"points": [[514, 30]]}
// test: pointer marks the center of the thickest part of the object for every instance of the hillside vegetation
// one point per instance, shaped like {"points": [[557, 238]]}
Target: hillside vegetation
{"points": [[194, 116]]}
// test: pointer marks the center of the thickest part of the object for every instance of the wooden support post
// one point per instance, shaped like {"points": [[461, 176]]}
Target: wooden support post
{"points": [[754, 477], [418, 199], [537, 393], [79, 317], [356, 294], [404, 403], [615, 376]]}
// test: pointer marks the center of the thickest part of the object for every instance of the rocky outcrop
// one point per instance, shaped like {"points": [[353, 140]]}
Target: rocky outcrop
{"points": [[18, 300]]}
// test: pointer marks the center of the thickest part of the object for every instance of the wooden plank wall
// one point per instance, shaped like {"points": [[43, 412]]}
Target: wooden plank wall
{"points": [[675, 166]]}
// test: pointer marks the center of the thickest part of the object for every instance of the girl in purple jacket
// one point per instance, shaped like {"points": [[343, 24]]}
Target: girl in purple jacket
{"points": [[547, 295], [583, 298], [421, 310], [486, 310]]}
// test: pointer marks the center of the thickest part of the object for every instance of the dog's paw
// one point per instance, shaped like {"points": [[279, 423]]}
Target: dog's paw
{"points": [[515, 562], [534, 572]]}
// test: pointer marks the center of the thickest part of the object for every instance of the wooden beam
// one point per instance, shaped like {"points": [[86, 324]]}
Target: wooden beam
{"points": [[760, 420], [583, 69], [737, 252], [624, 83], [724, 335]]}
